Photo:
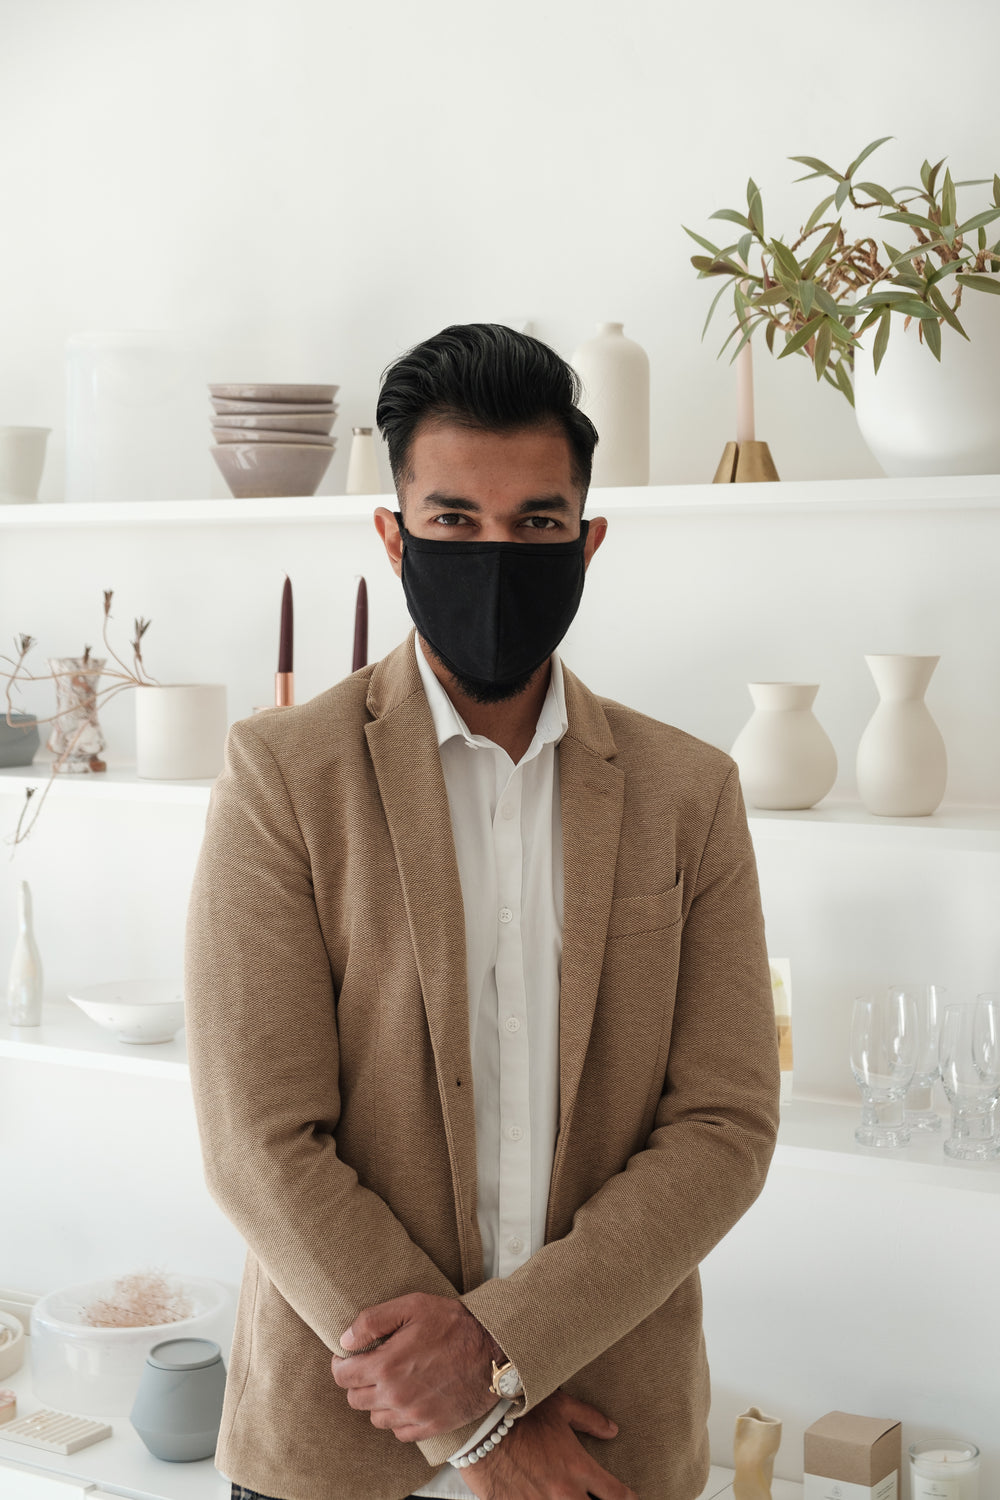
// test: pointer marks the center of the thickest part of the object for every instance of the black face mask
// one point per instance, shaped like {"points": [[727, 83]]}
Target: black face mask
{"points": [[492, 612]]}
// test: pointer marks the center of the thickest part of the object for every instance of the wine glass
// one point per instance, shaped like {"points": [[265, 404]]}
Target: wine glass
{"points": [[970, 1071], [930, 1001], [885, 1038]]}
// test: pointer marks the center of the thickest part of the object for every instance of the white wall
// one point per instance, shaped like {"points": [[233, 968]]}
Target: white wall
{"points": [[311, 187]]}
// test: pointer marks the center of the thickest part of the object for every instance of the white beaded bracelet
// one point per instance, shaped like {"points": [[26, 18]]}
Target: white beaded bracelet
{"points": [[486, 1446]]}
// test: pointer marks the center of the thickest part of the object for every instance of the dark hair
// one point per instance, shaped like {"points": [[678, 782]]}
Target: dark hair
{"points": [[487, 376]]}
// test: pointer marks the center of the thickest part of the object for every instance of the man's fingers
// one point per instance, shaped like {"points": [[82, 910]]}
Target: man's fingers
{"points": [[375, 1323], [350, 1374], [585, 1418]]}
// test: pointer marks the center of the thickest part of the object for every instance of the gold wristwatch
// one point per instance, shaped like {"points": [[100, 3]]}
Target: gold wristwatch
{"points": [[506, 1382]]}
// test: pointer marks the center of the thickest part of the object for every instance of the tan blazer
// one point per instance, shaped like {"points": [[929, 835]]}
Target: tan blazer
{"points": [[329, 1043]]}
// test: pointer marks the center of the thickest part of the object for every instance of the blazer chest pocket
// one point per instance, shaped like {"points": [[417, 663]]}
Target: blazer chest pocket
{"points": [[631, 916]]}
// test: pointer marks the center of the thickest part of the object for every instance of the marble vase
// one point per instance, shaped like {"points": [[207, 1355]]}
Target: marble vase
{"points": [[76, 738]]}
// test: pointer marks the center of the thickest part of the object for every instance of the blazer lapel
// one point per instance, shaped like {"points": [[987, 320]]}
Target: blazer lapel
{"points": [[407, 764], [592, 795]]}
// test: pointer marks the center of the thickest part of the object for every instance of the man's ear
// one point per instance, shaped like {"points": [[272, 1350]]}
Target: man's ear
{"points": [[388, 529]]}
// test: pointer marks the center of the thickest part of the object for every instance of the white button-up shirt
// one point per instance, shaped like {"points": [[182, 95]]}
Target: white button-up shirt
{"points": [[507, 829]]}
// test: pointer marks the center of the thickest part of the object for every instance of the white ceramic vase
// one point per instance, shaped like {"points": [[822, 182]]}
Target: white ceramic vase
{"points": [[180, 731], [615, 375], [363, 477], [22, 459], [902, 764], [919, 416], [785, 756], [24, 983]]}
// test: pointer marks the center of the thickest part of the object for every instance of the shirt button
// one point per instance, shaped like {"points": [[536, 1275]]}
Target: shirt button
{"points": [[514, 1245], [515, 1133], [512, 1024], [505, 914], [507, 810]]}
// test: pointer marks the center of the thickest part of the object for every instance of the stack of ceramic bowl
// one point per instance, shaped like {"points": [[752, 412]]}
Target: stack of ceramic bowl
{"points": [[273, 439]]}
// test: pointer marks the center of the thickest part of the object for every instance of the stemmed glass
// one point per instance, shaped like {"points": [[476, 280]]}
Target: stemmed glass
{"points": [[930, 1001], [884, 1047], [970, 1071]]}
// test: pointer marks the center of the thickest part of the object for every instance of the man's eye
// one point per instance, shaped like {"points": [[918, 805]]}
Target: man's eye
{"points": [[450, 518], [542, 523]]}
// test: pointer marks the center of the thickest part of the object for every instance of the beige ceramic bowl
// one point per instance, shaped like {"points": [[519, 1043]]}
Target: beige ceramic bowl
{"points": [[231, 435], [295, 422], [285, 393], [253, 470], [224, 407]]}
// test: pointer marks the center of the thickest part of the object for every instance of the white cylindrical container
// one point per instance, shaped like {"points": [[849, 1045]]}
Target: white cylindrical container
{"points": [[902, 764], [921, 416], [180, 731], [22, 459], [24, 985], [785, 756], [944, 1469], [135, 417], [615, 375], [363, 477]]}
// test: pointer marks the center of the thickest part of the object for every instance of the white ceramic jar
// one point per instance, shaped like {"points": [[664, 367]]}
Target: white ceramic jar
{"points": [[180, 730], [614, 371], [785, 756]]}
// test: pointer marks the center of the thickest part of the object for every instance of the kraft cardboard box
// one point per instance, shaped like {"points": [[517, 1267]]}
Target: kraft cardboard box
{"points": [[852, 1458]]}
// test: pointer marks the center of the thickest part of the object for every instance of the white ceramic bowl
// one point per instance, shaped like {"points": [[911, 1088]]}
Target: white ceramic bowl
{"points": [[258, 435], [284, 393], [11, 1344], [136, 1010], [303, 421], [225, 408], [96, 1371], [255, 469]]}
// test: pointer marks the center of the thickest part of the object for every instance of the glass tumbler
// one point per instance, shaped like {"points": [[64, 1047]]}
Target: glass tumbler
{"points": [[884, 1048], [970, 1071], [930, 1000]]}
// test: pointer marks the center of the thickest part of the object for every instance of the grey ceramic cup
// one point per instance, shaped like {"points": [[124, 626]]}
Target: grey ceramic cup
{"points": [[178, 1407], [18, 741]]}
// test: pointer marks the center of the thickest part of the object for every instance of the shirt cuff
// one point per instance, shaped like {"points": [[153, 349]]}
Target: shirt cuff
{"points": [[496, 1416]]}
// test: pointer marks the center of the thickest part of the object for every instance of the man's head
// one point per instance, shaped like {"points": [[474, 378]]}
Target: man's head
{"points": [[487, 378]]}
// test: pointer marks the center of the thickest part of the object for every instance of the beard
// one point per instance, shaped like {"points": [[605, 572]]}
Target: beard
{"points": [[485, 692]]}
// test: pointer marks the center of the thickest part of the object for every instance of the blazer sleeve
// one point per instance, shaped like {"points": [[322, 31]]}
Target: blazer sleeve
{"points": [[264, 1056], [646, 1230]]}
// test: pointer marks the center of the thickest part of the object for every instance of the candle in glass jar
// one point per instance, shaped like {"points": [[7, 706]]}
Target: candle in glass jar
{"points": [[944, 1469]]}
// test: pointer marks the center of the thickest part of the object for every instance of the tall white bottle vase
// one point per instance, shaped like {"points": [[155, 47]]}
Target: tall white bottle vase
{"points": [[902, 764], [615, 375], [363, 477], [785, 756], [24, 985]]}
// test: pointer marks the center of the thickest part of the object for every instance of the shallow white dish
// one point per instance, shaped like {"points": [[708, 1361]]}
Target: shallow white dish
{"points": [[136, 1010], [11, 1344], [284, 393], [96, 1371]]}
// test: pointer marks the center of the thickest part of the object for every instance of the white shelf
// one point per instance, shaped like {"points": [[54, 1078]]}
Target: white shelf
{"points": [[820, 1134], [838, 820], [121, 1463], [119, 783], [817, 496], [71, 1039]]}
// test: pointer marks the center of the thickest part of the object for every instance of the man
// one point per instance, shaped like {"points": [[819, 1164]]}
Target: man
{"points": [[480, 1022]]}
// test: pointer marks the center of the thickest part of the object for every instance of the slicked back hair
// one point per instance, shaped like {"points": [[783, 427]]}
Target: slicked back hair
{"points": [[486, 376]]}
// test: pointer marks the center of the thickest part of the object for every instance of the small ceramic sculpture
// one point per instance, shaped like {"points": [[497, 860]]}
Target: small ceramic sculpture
{"points": [[755, 1442]]}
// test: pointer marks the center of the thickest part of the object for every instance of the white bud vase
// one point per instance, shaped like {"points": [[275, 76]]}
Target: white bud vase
{"points": [[24, 986], [785, 756], [615, 375], [902, 764], [363, 477]]}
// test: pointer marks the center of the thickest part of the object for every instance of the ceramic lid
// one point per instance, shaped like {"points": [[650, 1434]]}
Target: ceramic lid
{"points": [[184, 1354]]}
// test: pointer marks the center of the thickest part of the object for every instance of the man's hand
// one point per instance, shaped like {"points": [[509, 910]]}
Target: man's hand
{"points": [[541, 1458], [432, 1373]]}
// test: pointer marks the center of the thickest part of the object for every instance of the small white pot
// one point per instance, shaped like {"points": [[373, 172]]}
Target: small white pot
{"points": [[22, 459], [784, 754], [180, 731], [919, 416]]}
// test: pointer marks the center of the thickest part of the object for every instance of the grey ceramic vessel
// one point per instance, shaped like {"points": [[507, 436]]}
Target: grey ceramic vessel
{"points": [[178, 1407], [19, 741]]}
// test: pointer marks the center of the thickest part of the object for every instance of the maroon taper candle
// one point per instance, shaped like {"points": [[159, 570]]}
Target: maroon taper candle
{"points": [[360, 658], [284, 681]]}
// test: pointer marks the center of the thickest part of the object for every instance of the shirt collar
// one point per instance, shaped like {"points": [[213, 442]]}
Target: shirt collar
{"points": [[449, 724]]}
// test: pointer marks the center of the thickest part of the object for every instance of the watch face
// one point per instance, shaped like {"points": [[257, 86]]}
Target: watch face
{"points": [[509, 1384]]}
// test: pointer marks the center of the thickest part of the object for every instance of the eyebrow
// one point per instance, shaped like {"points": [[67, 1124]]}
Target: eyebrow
{"points": [[438, 500]]}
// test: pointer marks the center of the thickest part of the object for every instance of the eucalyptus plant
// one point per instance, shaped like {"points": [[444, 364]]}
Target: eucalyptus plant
{"points": [[823, 290]]}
